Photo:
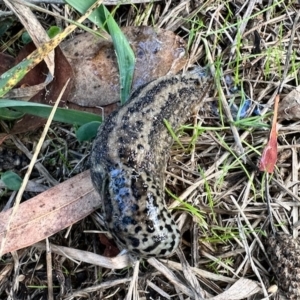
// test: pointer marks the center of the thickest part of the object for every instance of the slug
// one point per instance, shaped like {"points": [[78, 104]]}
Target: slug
{"points": [[128, 163]]}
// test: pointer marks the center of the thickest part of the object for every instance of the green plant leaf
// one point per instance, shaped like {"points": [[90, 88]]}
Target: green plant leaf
{"points": [[125, 56], [12, 180], [26, 38], [53, 31], [87, 131], [11, 77], [4, 25], [10, 115], [69, 116]]}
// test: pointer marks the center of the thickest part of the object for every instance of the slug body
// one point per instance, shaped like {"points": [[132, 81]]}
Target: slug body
{"points": [[128, 162]]}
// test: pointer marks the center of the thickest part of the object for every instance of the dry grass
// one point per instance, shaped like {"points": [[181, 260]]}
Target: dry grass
{"points": [[222, 208]]}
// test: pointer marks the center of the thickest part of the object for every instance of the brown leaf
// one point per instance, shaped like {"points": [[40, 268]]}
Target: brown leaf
{"points": [[62, 73], [158, 52], [96, 75], [111, 250], [33, 27], [6, 62], [49, 212], [289, 106]]}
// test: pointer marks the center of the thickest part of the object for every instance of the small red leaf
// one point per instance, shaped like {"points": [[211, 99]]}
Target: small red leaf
{"points": [[269, 157]]}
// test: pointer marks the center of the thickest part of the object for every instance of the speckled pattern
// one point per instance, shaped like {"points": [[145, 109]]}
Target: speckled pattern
{"points": [[128, 162], [284, 253]]}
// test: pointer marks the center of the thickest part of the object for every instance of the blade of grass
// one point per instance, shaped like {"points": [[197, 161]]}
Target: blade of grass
{"points": [[173, 134], [9, 115], [41, 110], [190, 209]]}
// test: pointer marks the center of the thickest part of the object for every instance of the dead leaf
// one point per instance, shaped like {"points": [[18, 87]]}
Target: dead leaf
{"points": [[96, 76], [34, 78], [118, 262], [242, 289], [158, 52], [290, 106], [111, 250], [6, 62], [33, 27], [49, 212]]}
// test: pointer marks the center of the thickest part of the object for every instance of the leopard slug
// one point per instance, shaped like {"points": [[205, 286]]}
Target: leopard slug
{"points": [[128, 162]]}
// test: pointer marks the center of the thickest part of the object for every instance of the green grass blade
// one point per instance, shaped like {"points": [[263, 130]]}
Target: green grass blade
{"points": [[173, 134], [189, 208], [10, 115], [11, 77], [69, 116]]}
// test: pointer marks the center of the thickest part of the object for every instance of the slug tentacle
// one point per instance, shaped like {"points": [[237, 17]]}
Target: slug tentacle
{"points": [[128, 162]]}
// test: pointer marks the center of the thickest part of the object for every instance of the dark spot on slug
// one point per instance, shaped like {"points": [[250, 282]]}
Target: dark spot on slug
{"points": [[128, 221], [169, 228], [134, 241], [137, 229], [152, 247], [163, 251]]}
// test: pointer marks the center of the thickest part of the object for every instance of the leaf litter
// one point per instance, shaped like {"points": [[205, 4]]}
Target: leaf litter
{"points": [[223, 252]]}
